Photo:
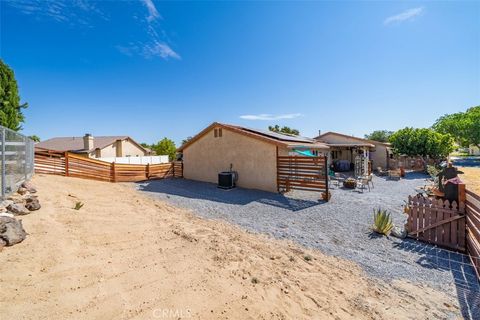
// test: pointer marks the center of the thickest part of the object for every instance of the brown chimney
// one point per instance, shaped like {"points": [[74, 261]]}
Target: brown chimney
{"points": [[88, 142]]}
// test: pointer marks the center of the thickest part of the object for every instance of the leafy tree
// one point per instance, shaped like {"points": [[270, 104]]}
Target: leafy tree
{"points": [[463, 126], [35, 138], [379, 135], [284, 129], [186, 140], [165, 147], [145, 145], [422, 142], [11, 115]]}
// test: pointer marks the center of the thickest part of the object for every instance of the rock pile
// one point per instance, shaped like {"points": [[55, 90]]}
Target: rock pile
{"points": [[21, 203]]}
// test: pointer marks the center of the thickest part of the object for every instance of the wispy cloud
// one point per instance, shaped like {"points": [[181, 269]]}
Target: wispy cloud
{"points": [[404, 16], [152, 43], [152, 10], [71, 12], [266, 116]]}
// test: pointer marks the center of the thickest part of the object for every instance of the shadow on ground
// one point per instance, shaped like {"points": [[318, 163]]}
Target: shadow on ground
{"points": [[459, 265], [238, 196]]}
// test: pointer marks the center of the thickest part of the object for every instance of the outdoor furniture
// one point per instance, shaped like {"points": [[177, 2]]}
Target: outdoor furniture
{"points": [[394, 175], [382, 172], [370, 180], [363, 182]]}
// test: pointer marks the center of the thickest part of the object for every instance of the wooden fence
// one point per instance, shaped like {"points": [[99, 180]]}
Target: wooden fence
{"points": [[72, 165], [302, 173], [438, 222], [473, 228]]}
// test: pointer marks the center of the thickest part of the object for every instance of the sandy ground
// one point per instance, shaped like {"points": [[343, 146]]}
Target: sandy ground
{"points": [[471, 177], [127, 256]]}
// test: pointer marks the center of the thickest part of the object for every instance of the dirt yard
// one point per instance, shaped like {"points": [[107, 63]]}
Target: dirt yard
{"points": [[471, 177], [126, 256]]}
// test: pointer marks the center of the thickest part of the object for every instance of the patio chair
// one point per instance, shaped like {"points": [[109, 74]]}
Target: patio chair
{"points": [[362, 182], [370, 180]]}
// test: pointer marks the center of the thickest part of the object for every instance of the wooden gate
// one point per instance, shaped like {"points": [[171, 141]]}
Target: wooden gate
{"points": [[437, 222], [302, 173]]}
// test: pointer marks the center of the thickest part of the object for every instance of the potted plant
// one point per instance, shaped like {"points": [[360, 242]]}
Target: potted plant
{"points": [[350, 183]]}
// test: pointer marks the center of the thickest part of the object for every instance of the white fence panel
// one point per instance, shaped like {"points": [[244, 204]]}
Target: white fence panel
{"points": [[136, 160]]}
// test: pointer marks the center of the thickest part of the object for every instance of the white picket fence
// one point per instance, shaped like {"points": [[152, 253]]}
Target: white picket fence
{"points": [[136, 160]]}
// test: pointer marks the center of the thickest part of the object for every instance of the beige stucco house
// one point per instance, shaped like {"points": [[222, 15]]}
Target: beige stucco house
{"points": [[344, 147], [95, 147], [251, 153]]}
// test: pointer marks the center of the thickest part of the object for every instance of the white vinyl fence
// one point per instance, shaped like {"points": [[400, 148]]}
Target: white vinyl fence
{"points": [[16, 157], [137, 160]]}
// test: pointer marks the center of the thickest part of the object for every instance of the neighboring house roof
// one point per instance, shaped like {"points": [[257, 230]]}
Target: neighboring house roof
{"points": [[320, 137], [75, 144], [289, 141]]}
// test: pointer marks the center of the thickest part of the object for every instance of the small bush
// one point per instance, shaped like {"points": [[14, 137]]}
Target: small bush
{"points": [[255, 280], [382, 222], [78, 205], [307, 258]]}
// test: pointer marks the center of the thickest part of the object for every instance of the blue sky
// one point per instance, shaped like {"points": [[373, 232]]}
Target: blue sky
{"points": [[151, 69]]}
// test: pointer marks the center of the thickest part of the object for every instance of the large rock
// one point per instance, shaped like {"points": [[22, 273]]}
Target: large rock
{"points": [[399, 232], [22, 191], [18, 209], [32, 204], [11, 231], [29, 186]]}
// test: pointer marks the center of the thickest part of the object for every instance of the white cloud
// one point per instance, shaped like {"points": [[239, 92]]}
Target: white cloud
{"points": [[404, 16], [152, 10], [266, 116], [155, 48], [160, 49]]}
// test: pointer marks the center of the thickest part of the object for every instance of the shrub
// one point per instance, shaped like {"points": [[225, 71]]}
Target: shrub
{"points": [[78, 205], [382, 222]]}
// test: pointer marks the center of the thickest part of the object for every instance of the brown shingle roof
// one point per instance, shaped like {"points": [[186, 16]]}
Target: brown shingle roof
{"points": [[75, 144]]}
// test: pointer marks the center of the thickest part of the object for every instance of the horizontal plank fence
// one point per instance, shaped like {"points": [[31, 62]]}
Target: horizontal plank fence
{"points": [[437, 222], [302, 173], [72, 165], [473, 229]]}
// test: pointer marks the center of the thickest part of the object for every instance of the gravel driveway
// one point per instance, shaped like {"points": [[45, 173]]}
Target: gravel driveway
{"points": [[340, 227]]}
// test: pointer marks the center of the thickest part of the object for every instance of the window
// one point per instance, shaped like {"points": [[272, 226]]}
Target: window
{"points": [[217, 133]]}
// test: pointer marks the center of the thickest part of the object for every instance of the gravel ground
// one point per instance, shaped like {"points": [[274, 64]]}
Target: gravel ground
{"points": [[340, 227]]}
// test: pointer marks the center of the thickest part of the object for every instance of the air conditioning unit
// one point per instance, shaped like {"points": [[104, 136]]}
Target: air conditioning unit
{"points": [[226, 180]]}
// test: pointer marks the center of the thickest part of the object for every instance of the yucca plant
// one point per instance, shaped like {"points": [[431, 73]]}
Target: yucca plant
{"points": [[382, 222], [78, 205]]}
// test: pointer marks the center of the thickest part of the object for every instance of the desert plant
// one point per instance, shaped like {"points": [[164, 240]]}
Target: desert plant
{"points": [[78, 205], [432, 171], [255, 280], [382, 222], [307, 257]]}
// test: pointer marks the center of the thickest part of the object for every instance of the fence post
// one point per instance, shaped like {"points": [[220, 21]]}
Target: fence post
{"points": [[326, 178], [114, 179], [3, 164], [25, 140], [66, 165], [147, 171]]}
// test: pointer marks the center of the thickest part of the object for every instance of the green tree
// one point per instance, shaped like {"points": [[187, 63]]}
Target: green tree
{"points": [[284, 129], [186, 140], [11, 115], [35, 138], [379, 135], [463, 126], [165, 147], [422, 142]]}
